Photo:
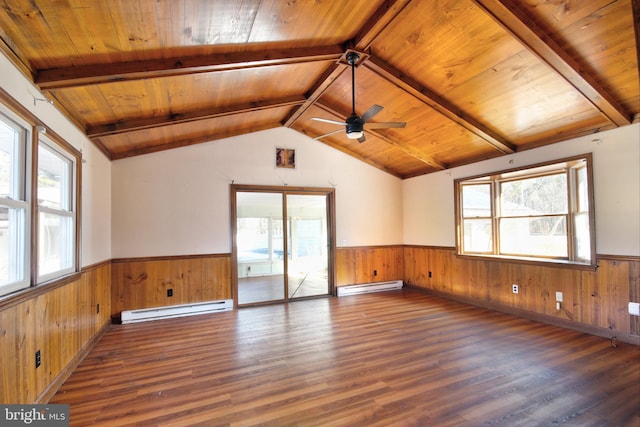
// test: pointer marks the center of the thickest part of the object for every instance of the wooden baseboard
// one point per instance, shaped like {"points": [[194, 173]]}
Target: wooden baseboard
{"points": [[563, 323], [57, 382]]}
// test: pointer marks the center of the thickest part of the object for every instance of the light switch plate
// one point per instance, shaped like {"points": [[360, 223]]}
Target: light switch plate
{"points": [[634, 308], [559, 296]]}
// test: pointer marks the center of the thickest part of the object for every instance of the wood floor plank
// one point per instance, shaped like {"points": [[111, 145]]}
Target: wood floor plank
{"points": [[394, 358]]}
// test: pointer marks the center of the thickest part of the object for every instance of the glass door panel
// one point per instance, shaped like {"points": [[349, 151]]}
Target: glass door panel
{"points": [[307, 265], [282, 244], [260, 235]]}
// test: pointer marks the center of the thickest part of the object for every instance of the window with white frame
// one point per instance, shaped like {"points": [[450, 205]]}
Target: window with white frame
{"points": [[542, 212], [56, 210], [14, 207]]}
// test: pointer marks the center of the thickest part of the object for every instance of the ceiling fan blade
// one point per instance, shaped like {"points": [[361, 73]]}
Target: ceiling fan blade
{"points": [[372, 111], [385, 125], [333, 122], [328, 134]]}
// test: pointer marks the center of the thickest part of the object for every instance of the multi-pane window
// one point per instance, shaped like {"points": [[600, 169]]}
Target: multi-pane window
{"points": [[14, 207], [542, 212], [38, 206], [56, 211]]}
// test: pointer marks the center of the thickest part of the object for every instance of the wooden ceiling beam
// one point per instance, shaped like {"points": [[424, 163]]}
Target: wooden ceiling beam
{"points": [[378, 22], [329, 76], [172, 119], [56, 78], [367, 34], [411, 151], [509, 15], [438, 103]]}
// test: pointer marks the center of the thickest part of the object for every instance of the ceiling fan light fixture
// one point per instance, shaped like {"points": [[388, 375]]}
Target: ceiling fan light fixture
{"points": [[354, 126], [354, 134]]}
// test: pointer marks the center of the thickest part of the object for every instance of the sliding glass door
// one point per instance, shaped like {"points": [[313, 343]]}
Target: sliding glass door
{"points": [[282, 244]]}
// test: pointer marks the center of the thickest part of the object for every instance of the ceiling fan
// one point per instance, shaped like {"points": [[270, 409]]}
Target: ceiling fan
{"points": [[355, 124]]}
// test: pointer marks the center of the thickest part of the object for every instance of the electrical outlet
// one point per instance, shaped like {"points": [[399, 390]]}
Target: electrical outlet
{"points": [[515, 288], [169, 292], [429, 274], [375, 272], [559, 296], [98, 308], [38, 359], [634, 308]]}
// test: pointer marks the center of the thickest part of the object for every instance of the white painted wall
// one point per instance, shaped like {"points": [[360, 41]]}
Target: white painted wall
{"points": [[177, 202], [96, 206], [428, 201], [96, 173]]}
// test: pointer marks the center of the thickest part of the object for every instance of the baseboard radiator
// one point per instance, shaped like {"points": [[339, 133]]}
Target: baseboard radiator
{"points": [[146, 314], [366, 288]]}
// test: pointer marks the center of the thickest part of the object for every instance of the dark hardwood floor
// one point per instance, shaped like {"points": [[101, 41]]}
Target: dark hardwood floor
{"points": [[395, 358]]}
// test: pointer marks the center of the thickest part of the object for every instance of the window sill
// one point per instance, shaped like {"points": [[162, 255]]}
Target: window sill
{"points": [[530, 261], [31, 292]]}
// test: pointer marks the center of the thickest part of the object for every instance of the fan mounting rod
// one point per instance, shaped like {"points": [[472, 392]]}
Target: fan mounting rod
{"points": [[352, 59]]}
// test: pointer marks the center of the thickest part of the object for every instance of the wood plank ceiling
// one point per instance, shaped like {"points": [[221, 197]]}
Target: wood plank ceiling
{"points": [[473, 79]]}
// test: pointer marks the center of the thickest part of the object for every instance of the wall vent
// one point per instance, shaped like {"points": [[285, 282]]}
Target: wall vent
{"points": [[366, 288], [143, 315]]}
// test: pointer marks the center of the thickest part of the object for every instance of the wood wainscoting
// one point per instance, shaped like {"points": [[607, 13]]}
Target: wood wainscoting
{"points": [[366, 264], [593, 301], [63, 319], [144, 282]]}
